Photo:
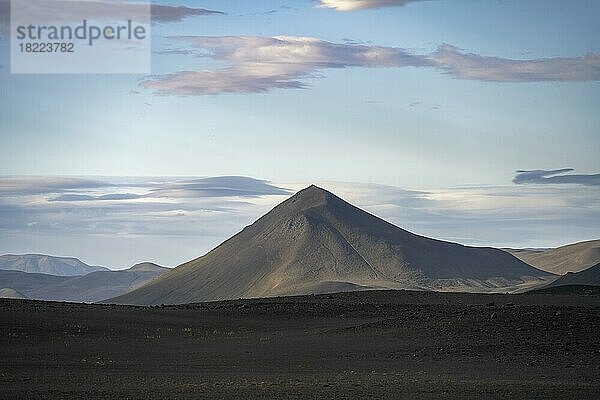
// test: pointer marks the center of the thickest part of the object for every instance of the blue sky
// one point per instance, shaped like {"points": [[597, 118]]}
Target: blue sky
{"points": [[438, 96]]}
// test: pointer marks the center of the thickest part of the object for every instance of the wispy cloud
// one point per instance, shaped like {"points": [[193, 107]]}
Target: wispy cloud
{"points": [[477, 67], [27, 185], [222, 186], [259, 64], [156, 216], [104, 197], [556, 176], [169, 13], [71, 11], [353, 5]]}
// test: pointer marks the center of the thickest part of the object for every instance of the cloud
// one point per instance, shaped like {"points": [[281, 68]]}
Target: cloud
{"points": [[477, 67], [353, 5], [222, 186], [129, 205], [164, 219], [556, 176], [259, 64], [166, 13], [68, 189], [84, 197], [71, 11], [24, 185]]}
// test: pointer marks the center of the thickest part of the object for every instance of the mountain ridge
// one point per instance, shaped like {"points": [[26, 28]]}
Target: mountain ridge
{"points": [[46, 264], [89, 288]]}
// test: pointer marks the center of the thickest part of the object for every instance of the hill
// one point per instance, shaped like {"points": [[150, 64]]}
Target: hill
{"points": [[588, 277], [570, 258], [93, 287], [314, 240], [44, 264], [147, 267], [9, 293]]}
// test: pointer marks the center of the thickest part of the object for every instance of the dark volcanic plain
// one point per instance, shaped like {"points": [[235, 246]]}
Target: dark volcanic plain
{"points": [[375, 344]]}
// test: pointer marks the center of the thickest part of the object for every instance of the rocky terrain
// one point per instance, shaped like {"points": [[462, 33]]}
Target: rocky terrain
{"points": [[369, 344]]}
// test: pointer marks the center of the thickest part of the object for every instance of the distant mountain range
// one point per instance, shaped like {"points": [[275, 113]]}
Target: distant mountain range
{"points": [[315, 242], [43, 264], [89, 288], [570, 258]]}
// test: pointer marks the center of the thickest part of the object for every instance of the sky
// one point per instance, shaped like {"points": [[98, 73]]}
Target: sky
{"points": [[475, 122]]}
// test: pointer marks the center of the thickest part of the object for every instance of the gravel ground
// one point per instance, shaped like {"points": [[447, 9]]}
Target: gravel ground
{"points": [[378, 344]]}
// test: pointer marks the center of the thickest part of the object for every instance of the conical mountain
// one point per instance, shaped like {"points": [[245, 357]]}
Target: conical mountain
{"points": [[317, 242]]}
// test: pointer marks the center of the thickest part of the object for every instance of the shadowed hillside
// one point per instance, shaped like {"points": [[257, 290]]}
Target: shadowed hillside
{"points": [[589, 277]]}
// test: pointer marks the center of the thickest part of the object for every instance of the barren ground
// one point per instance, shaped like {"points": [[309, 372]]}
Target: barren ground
{"points": [[378, 344]]}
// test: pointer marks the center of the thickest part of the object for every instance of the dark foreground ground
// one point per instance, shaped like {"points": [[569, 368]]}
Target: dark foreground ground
{"points": [[384, 344]]}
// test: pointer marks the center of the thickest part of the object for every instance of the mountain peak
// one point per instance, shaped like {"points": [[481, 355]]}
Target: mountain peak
{"points": [[311, 196], [313, 190]]}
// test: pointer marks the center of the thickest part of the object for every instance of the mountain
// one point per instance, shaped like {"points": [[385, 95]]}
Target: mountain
{"points": [[9, 293], [570, 258], [43, 264], [147, 267], [93, 287], [315, 241], [29, 283], [589, 277]]}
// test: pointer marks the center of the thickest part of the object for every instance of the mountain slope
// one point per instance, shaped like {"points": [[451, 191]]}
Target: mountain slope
{"points": [[315, 237], [590, 277], [43, 264], [570, 258], [93, 287], [29, 283], [10, 293]]}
